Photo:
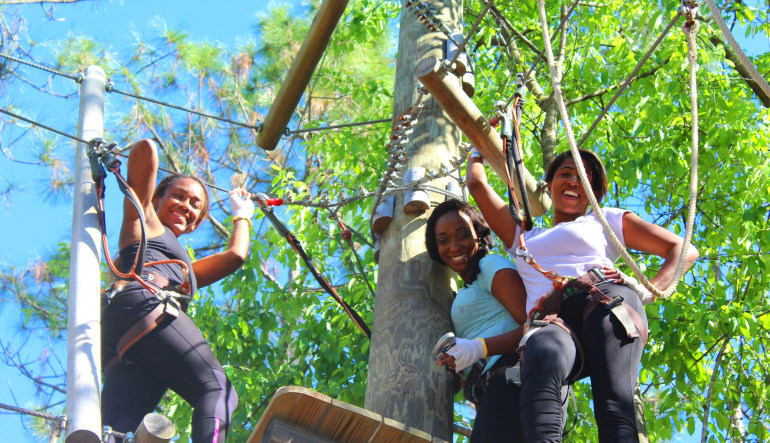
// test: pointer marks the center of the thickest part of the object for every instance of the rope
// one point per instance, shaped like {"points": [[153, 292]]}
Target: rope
{"points": [[42, 126], [344, 125], [582, 173], [542, 54], [110, 88], [755, 75], [629, 79], [31, 412], [77, 78]]}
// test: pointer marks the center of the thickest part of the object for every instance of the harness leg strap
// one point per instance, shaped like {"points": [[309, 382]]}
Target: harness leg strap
{"points": [[144, 326]]}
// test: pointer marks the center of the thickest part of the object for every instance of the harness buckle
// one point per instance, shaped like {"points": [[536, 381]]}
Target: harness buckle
{"points": [[613, 303], [513, 374]]}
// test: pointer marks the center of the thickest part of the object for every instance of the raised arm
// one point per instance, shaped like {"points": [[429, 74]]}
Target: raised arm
{"points": [[141, 173], [651, 238], [217, 266], [492, 206]]}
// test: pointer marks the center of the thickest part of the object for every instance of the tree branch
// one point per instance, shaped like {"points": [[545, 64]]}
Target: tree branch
{"points": [[742, 70], [603, 91]]}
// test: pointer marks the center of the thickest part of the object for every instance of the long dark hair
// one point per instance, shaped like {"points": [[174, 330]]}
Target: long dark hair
{"points": [[594, 165], [480, 226], [169, 180]]}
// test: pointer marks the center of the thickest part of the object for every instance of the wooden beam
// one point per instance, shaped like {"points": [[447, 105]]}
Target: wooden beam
{"points": [[301, 70], [448, 92]]}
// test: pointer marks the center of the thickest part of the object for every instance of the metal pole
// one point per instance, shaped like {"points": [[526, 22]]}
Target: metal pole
{"points": [[83, 313]]}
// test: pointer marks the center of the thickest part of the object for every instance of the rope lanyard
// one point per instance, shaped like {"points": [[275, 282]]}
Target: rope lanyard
{"points": [[513, 154], [690, 28], [264, 205]]}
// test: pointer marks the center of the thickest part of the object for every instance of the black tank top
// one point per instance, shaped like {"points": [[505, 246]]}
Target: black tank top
{"points": [[163, 247]]}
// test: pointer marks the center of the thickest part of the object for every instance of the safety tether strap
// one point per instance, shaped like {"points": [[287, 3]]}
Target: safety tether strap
{"points": [[297, 246]]}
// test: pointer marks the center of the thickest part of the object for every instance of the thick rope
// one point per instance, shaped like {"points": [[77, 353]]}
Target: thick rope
{"points": [[629, 79], [584, 179], [716, 13]]}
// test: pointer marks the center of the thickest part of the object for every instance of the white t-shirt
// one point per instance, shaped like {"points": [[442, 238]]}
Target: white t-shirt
{"points": [[569, 248]]}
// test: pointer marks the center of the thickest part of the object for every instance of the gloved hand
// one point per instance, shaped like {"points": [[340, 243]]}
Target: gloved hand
{"points": [[241, 204], [467, 352], [644, 294]]}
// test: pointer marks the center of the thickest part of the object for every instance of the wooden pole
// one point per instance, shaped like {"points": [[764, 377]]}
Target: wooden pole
{"points": [[447, 90], [414, 293], [301, 70]]}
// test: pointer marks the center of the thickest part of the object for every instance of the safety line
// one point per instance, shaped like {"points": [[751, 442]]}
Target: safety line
{"points": [[343, 125], [40, 125], [111, 88], [31, 412], [77, 78]]}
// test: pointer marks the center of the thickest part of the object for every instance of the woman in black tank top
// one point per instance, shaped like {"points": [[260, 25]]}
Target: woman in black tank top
{"points": [[174, 354]]}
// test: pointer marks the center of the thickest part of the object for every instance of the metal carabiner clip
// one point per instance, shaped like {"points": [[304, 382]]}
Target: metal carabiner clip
{"points": [[523, 254]]}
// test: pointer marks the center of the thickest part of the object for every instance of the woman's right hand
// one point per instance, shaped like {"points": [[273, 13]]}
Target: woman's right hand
{"points": [[463, 354]]}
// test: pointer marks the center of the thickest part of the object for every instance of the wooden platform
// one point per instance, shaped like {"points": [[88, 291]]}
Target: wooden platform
{"points": [[297, 414]]}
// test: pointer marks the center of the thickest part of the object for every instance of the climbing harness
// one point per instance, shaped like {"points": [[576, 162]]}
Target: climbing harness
{"points": [[266, 204], [173, 298]]}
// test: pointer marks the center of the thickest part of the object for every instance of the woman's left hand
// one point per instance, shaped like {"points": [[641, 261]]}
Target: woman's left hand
{"points": [[241, 203], [613, 275]]}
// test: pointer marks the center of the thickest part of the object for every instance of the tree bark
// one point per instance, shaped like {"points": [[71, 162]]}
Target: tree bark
{"points": [[414, 293]]}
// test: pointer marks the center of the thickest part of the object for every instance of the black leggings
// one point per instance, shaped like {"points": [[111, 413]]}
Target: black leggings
{"points": [[497, 414], [174, 355], [610, 359]]}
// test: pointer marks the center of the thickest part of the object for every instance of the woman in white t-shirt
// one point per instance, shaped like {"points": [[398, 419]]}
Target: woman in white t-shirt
{"points": [[574, 245], [489, 306]]}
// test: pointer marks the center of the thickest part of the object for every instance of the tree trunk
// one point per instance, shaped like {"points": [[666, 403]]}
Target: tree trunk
{"points": [[414, 293]]}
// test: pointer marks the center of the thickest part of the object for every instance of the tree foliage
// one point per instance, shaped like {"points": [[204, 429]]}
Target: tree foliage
{"points": [[705, 365]]}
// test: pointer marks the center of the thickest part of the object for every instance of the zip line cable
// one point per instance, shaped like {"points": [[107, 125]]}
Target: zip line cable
{"points": [[630, 78], [77, 78], [109, 87], [42, 126], [343, 125], [31, 412]]}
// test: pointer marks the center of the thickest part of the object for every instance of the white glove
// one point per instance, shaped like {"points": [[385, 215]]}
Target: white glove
{"points": [[241, 204], [467, 352], [644, 294]]}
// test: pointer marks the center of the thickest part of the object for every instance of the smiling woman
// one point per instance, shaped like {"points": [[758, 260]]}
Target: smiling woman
{"points": [[573, 338], [489, 306], [149, 343]]}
